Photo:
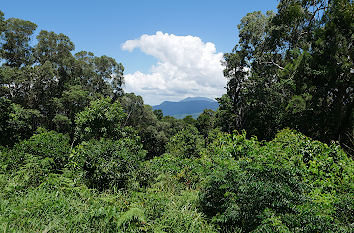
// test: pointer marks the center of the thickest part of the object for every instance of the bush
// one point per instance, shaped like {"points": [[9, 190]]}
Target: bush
{"points": [[289, 183], [17, 123], [101, 119], [189, 172], [238, 197], [186, 144], [44, 145], [107, 163]]}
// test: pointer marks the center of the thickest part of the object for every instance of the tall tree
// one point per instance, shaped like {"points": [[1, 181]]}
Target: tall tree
{"points": [[101, 75], [300, 62], [16, 49]]}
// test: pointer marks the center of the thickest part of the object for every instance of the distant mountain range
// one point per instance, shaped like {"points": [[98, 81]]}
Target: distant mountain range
{"points": [[190, 106]]}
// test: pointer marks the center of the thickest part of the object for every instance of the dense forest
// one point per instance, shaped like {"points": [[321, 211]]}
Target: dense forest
{"points": [[78, 154]]}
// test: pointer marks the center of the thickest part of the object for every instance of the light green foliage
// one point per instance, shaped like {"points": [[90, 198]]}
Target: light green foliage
{"points": [[107, 164], [186, 144], [17, 122], [101, 119], [181, 215], [279, 185], [119, 166], [61, 205], [43, 144], [289, 184], [132, 220], [31, 161], [188, 172], [168, 207]]}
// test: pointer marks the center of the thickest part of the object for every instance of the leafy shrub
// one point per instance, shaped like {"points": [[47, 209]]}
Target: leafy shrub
{"points": [[29, 162], [235, 145], [188, 172], [107, 163], [17, 123], [101, 119], [44, 144], [289, 183], [238, 197], [132, 220], [186, 144]]}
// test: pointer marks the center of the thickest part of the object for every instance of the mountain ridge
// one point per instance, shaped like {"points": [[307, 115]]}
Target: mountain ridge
{"points": [[189, 106]]}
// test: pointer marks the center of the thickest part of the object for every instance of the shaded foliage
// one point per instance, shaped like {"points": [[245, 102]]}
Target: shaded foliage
{"points": [[300, 76]]}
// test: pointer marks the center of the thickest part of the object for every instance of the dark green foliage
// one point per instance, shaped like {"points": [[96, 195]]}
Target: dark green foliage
{"points": [[154, 140], [73, 101], [23, 122], [300, 62], [189, 120], [101, 76], [5, 110], [172, 125], [54, 48], [152, 131], [239, 197], [46, 77], [225, 119], [16, 49], [158, 113], [107, 164], [205, 122], [2, 22]]}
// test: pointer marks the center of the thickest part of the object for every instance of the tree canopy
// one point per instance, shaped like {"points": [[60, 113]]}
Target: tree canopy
{"points": [[293, 69], [78, 154]]}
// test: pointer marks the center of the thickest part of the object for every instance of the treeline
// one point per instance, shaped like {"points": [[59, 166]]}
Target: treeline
{"points": [[78, 154], [293, 69]]}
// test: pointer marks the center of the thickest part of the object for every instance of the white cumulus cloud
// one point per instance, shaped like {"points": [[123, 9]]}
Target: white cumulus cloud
{"points": [[186, 67]]}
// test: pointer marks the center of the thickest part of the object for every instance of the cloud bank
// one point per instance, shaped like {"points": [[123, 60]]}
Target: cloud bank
{"points": [[186, 67]]}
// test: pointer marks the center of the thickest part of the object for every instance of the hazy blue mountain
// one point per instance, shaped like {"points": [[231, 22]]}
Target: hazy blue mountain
{"points": [[190, 106]]}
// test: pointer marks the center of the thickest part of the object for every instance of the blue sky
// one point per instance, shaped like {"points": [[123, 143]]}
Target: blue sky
{"points": [[175, 59]]}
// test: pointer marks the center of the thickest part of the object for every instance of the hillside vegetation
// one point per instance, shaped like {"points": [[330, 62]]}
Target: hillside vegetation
{"points": [[78, 154]]}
